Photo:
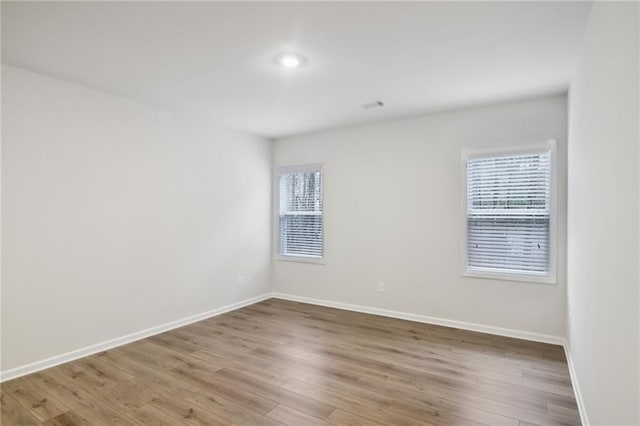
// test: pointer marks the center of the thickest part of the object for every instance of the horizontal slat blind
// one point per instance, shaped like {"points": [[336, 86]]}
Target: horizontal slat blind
{"points": [[300, 227], [508, 213]]}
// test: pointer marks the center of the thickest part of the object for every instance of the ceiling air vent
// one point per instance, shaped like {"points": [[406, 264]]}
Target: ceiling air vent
{"points": [[373, 105]]}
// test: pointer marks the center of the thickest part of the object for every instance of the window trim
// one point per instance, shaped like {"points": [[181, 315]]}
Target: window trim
{"points": [[516, 149], [283, 170]]}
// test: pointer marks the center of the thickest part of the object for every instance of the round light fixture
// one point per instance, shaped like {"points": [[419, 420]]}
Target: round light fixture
{"points": [[289, 60]]}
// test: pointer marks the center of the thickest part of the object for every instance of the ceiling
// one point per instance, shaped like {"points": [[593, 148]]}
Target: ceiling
{"points": [[215, 59]]}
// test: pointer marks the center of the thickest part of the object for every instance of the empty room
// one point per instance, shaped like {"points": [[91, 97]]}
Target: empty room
{"points": [[320, 213]]}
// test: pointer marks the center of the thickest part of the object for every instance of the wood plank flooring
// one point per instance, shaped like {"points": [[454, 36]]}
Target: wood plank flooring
{"points": [[279, 362]]}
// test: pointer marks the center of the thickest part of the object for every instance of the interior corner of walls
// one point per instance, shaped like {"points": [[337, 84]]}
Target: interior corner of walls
{"points": [[582, 409]]}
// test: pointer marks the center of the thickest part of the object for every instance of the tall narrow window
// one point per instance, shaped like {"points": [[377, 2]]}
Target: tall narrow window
{"points": [[300, 212], [509, 214]]}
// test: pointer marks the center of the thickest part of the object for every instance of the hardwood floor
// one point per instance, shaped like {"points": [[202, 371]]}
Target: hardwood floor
{"points": [[280, 362]]}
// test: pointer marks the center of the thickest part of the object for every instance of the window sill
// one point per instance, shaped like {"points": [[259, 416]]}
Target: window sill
{"points": [[301, 259], [505, 276]]}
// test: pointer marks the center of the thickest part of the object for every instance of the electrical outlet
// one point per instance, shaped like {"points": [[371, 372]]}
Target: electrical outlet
{"points": [[240, 280], [380, 287]]}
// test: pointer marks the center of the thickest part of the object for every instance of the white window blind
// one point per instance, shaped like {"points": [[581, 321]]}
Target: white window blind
{"points": [[508, 213], [300, 221]]}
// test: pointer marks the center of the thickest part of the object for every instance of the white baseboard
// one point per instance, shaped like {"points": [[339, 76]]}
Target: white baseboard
{"points": [[507, 332], [119, 341], [576, 387]]}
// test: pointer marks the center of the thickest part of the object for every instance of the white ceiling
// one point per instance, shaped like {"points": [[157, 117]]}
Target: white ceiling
{"points": [[215, 59]]}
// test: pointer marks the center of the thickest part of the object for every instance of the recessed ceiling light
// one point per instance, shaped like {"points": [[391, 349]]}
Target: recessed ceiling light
{"points": [[289, 60]]}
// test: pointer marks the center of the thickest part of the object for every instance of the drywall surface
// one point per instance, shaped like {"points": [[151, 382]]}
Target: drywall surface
{"points": [[394, 213], [603, 280], [118, 217]]}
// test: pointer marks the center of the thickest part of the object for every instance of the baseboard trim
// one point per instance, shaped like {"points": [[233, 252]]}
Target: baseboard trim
{"points": [[129, 338], [582, 409], [507, 332], [119, 341]]}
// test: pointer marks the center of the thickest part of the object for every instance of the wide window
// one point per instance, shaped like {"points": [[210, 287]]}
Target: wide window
{"points": [[509, 214], [300, 224]]}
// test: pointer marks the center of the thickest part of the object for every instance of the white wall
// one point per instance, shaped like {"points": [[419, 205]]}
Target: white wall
{"points": [[393, 209], [603, 216], [118, 217]]}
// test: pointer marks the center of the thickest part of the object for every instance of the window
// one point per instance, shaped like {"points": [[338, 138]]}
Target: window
{"points": [[509, 214], [300, 227]]}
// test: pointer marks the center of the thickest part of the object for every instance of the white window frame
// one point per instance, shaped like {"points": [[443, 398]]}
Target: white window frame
{"points": [[279, 171], [518, 149]]}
